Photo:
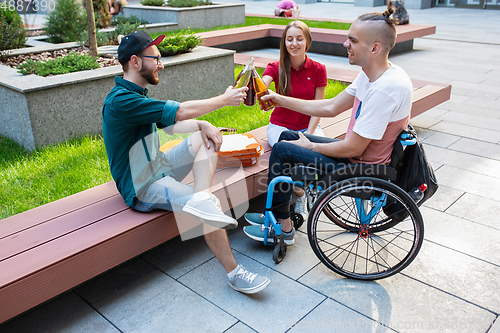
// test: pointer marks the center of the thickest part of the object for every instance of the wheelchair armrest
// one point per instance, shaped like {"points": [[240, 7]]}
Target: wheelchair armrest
{"points": [[307, 174], [360, 170]]}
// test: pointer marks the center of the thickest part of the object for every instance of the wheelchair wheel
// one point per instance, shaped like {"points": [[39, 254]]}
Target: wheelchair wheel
{"points": [[297, 220], [279, 253], [366, 251]]}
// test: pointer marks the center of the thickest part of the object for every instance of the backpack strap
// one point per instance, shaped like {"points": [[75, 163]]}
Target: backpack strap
{"points": [[407, 137]]}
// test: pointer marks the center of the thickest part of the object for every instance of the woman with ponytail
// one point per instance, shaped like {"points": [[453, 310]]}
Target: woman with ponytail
{"points": [[297, 76]]}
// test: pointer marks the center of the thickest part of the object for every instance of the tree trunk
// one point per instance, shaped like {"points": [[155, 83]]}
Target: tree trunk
{"points": [[91, 27]]}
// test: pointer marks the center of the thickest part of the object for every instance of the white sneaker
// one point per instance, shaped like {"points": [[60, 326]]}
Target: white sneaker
{"points": [[301, 207], [208, 210], [248, 282], [312, 195]]}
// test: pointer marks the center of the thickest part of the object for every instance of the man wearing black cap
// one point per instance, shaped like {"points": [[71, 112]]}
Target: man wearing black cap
{"points": [[149, 179]]}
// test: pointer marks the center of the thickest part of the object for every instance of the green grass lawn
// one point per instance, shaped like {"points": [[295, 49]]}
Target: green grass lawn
{"points": [[254, 20], [31, 179]]}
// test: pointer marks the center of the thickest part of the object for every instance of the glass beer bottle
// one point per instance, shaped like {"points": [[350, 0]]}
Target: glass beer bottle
{"points": [[249, 100], [245, 75], [261, 90]]}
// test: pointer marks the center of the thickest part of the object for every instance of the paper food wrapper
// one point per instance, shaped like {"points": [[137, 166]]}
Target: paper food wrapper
{"points": [[240, 144]]}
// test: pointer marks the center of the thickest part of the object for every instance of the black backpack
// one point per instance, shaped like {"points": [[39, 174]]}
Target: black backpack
{"points": [[412, 168]]}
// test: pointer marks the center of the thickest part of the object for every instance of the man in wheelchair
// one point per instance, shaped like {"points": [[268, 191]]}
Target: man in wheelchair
{"points": [[381, 99]]}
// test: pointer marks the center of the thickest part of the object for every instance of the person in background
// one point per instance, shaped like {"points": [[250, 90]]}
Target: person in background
{"points": [[380, 98], [285, 8], [149, 179], [116, 6], [295, 75], [400, 13]]}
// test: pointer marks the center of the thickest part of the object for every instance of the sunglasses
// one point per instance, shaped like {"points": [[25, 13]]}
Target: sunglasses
{"points": [[157, 58]]}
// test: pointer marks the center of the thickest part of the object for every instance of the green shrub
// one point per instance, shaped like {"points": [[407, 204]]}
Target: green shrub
{"points": [[101, 13], [111, 37], [65, 23], [152, 2], [73, 62], [188, 3], [120, 19], [126, 28], [12, 33], [183, 41], [102, 38]]}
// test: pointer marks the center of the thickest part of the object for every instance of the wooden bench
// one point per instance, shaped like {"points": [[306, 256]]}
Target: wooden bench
{"points": [[325, 41], [53, 248]]}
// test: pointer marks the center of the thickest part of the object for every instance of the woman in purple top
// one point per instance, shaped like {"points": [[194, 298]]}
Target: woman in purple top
{"points": [[285, 6]]}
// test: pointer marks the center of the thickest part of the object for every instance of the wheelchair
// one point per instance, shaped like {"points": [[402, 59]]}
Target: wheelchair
{"points": [[361, 225]]}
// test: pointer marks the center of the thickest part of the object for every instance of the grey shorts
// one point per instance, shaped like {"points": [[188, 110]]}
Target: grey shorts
{"points": [[168, 193]]}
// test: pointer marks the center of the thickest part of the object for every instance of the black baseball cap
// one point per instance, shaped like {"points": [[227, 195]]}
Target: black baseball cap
{"points": [[134, 43]]}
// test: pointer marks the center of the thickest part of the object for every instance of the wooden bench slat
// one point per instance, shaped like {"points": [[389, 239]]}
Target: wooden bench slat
{"points": [[219, 37], [51, 272], [428, 97], [345, 76], [260, 133], [337, 129], [64, 247], [328, 35], [32, 217], [60, 226], [262, 164], [411, 31], [418, 84], [233, 186], [326, 122], [260, 181]]}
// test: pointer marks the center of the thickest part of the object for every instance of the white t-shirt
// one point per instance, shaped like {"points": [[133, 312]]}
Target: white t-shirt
{"points": [[381, 110]]}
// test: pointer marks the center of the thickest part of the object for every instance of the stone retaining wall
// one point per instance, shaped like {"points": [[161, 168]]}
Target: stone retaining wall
{"points": [[193, 17]]}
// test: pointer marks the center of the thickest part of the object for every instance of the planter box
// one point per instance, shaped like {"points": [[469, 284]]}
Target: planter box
{"points": [[38, 111], [194, 17], [369, 3]]}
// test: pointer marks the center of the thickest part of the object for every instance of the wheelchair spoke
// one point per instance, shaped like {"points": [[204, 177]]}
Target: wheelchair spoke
{"points": [[376, 262], [386, 246]]}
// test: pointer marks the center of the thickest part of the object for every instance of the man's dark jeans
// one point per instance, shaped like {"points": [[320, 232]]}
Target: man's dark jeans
{"points": [[284, 156]]}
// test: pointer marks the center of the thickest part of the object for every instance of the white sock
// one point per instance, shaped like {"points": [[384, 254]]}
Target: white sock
{"points": [[198, 196], [231, 274]]}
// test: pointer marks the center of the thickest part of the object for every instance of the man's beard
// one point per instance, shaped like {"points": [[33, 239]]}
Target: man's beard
{"points": [[149, 76]]}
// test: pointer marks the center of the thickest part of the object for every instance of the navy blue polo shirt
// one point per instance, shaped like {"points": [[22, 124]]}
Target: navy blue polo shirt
{"points": [[130, 120]]}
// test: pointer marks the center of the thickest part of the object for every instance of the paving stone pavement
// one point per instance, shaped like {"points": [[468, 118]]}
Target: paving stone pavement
{"points": [[452, 286]]}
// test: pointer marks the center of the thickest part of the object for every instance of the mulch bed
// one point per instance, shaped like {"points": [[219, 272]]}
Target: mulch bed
{"points": [[14, 61], [35, 33]]}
